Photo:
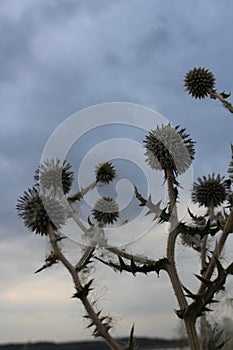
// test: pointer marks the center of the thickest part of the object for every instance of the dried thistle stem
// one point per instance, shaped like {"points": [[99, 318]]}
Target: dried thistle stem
{"points": [[218, 249], [214, 94], [87, 305], [77, 196], [171, 269]]}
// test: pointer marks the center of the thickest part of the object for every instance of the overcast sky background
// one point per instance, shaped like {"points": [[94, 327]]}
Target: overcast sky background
{"points": [[58, 57]]}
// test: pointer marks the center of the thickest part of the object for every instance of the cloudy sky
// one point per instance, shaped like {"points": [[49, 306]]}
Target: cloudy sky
{"points": [[58, 57]]}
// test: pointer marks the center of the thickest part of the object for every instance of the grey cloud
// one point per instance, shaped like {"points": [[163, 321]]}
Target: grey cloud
{"points": [[58, 57], [15, 48], [155, 40]]}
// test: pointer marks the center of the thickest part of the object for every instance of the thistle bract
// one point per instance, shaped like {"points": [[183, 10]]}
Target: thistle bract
{"points": [[168, 148], [199, 82]]}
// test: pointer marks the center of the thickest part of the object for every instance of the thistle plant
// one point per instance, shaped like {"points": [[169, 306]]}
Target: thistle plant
{"points": [[210, 191], [169, 149], [48, 204], [54, 174], [37, 210], [105, 211], [105, 173], [200, 83], [43, 211]]}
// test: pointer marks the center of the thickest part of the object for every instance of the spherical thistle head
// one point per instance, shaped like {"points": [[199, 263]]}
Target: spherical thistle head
{"points": [[106, 211], [168, 148], [31, 207], [210, 191], [199, 82], [105, 173], [55, 174]]}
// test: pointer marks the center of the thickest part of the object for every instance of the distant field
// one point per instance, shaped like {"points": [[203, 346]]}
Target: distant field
{"points": [[143, 343]]}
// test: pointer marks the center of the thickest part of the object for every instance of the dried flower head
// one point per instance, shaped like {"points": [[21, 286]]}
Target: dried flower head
{"points": [[106, 211], [55, 174], [31, 207], [199, 82], [210, 191], [105, 173], [168, 147]]}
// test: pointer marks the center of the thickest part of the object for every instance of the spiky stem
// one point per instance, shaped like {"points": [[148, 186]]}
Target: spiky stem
{"points": [[129, 256], [172, 270], [218, 249], [87, 305], [204, 322], [203, 328], [85, 257]]}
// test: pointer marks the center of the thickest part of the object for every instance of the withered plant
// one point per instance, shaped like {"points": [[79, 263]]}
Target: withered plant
{"points": [[48, 204]]}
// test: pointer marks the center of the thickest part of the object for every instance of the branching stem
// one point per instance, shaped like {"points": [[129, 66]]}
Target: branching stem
{"points": [[87, 305]]}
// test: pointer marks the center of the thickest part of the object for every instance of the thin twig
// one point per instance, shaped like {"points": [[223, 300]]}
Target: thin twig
{"points": [[225, 103]]}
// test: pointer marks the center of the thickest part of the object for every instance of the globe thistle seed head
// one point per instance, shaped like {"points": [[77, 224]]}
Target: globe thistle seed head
{"points": [[106, 211], [198, 82], [55, 174], [105, 173], [168, 147], [31, 207], [210, 191]]}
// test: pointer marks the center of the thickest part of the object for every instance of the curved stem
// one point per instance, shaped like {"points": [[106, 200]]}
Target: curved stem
{"points": [[177, 287], [172, 270], [89, 308]]}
